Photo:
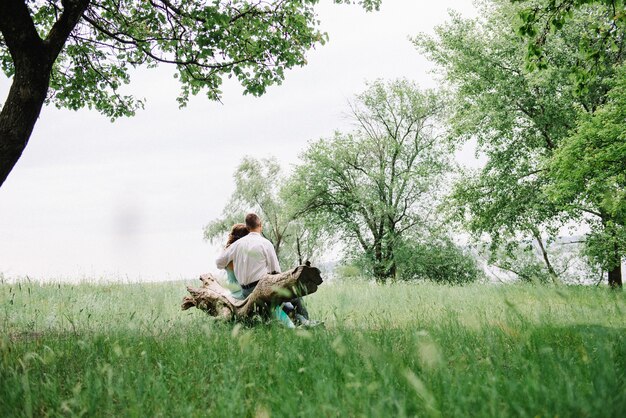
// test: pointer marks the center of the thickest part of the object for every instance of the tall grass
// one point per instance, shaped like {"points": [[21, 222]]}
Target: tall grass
{"points": [[397, 350]]}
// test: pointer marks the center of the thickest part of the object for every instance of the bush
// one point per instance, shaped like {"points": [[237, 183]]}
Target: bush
{"points": [[348, 271], [439, 260]]}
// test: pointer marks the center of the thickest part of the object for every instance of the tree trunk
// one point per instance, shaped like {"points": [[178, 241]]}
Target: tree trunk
{"points": [[615, 274], [615, 265], [392, 270], [272, 290], [546, 259], [21, 110], [299, 250], [379, 269], [384, 270], [615, 277], [32, 58]]}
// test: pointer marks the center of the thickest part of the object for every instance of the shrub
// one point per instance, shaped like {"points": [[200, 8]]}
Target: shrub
{"points": [[439, 260], [348, 271]]}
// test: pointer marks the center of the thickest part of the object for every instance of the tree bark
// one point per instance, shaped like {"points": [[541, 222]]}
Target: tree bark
{"points": [[272, 290], [20, 112], [615, 265], [615, 277], [393, 269], [379, 269], [298, 249], [544, 253], [615, 274], [30, 83], [384, 267], [33, 59]]}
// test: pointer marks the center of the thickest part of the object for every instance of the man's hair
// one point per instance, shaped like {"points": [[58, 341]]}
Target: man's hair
{"points": [[252, 221]]}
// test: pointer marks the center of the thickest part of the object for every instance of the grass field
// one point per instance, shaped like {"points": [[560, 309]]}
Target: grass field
{"points": [[397, 350]]}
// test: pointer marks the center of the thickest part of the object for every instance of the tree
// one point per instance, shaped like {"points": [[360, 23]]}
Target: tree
{"points": [[519, 118], [374, 184], [259, 187], [437, 259], [540, 19], [78, 53], [588, 171]]}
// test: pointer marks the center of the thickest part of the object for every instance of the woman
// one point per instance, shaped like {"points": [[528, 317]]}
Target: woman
{"points": [[236, 232]]}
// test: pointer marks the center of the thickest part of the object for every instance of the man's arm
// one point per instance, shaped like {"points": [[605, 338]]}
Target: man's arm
{"points": [[272, 259], [226, 257]]}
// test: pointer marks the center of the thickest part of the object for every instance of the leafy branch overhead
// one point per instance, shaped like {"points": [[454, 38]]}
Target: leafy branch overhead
{"points": [[254, 41], [79, 53], [538, 21]]}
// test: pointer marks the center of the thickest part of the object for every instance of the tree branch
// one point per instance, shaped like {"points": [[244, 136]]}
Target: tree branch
{"points": [[18, 29], [72, 12]]}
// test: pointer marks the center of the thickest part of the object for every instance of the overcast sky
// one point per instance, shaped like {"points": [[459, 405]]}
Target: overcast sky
{"points": [[91, 199]]}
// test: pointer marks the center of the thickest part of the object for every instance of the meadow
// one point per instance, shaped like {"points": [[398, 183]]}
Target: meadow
{"points": [[386, 350]]}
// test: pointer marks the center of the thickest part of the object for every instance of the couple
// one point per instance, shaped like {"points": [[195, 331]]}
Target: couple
{"points": [[249, 256]]}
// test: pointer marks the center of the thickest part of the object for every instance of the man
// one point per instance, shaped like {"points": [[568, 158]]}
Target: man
{"points": [[253, 256]]}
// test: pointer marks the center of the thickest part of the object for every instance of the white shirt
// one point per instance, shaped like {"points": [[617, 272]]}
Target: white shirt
{"points": [[253, 257]]}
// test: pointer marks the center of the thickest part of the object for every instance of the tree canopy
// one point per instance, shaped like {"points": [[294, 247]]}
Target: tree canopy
{"points": [[519, 118], [540, 20], [372, 185], [78, 53], [588, 172]]}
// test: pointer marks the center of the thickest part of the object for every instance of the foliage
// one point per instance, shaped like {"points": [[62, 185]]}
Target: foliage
{"points": [[348, 270], [540, 19], [588, 171], [509, 112], [78, 53], [589, 167], [403, 349], [519, 118], [438, 260], [521, 259], [259, 188], [605, 246], [253, 41], [374, 184]]}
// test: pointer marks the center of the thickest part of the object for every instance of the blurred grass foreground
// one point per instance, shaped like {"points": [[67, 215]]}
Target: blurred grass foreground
{"points": [[394, 350]]}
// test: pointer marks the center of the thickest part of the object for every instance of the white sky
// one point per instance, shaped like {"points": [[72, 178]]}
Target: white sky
{"points": [[91, 199]]}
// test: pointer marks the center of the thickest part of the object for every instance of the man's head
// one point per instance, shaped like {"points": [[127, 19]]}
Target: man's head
{"points": [[253, 222]]}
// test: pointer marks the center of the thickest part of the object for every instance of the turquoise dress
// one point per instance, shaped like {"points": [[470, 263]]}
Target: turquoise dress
{"points": [[234, 285], [279, 314]]}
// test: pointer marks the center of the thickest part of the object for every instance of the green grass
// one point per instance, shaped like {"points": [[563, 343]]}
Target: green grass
{"points": [[397, 350]]}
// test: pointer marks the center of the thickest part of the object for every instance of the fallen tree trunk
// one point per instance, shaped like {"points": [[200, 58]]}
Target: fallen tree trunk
{"points": [[272, 290]]}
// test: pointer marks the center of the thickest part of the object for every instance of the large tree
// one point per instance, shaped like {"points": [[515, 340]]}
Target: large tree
{"points": [[373, 185], [588, 170], [78, 53], [519, 118]]}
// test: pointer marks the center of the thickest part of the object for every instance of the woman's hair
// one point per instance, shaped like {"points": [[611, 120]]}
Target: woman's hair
{"points": [[236, 232]]}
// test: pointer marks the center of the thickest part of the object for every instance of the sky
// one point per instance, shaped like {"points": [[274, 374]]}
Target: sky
{"points": [[128, 200]]}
